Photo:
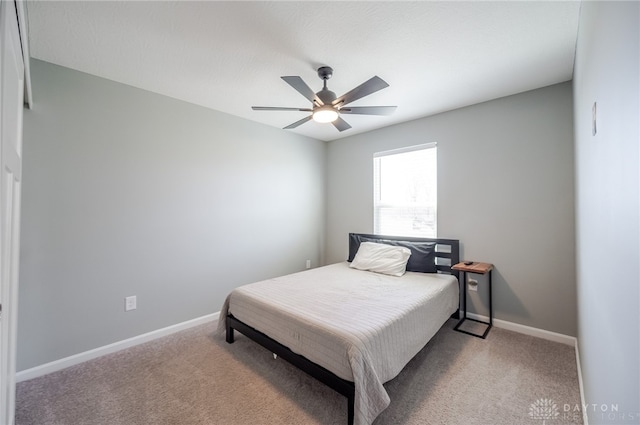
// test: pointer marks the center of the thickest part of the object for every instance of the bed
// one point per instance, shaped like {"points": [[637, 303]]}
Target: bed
{"points": [[349, 327]]}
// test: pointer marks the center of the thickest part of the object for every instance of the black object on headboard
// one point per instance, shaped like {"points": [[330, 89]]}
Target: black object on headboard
{"points": [[428, 255]]}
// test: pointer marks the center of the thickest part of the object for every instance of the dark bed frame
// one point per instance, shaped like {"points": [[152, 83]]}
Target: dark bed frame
{"points": [[443, 259]]}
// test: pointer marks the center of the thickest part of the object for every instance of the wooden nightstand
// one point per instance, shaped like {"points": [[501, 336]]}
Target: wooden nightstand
{"points": [[478, 268]]}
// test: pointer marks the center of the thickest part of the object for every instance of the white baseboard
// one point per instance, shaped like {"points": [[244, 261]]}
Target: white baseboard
{"points": [[121, 345], [56, 365], [527, 330], [585, 419]]}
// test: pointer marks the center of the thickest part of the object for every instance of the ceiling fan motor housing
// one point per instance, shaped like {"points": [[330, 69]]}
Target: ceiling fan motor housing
{"points": [[326, 96]]}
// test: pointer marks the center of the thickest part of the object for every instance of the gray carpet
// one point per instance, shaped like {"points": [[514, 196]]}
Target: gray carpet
{"points": [[194, 377]]}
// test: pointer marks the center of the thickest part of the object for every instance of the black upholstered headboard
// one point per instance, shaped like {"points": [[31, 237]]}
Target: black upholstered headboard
{"points": [[427, 255]]}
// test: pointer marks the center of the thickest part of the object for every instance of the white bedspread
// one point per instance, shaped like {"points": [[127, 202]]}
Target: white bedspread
{"points": [[362, 326]]}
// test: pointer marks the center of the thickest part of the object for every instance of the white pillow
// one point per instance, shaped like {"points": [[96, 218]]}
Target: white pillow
{"points": [[381, 258]]}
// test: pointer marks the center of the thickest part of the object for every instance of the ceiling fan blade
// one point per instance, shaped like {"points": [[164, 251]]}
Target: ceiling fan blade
{"points": [[277, 108], [368, 87], [368, 110], [302, 88], [297, 123], [341, 124]]}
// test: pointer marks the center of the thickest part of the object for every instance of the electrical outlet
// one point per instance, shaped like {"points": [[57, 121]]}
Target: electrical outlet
{"points": [[473, 285], [130, 303], [308, 264]]}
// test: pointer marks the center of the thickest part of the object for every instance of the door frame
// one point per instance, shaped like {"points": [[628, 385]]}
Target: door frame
{"points": [[12, 96]]}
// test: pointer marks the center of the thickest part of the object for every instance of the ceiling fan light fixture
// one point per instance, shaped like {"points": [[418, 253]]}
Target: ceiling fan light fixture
{"points": [[325, 114]]}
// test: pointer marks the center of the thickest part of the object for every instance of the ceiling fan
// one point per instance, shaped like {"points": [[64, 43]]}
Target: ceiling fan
{"points": [[327, 107]]}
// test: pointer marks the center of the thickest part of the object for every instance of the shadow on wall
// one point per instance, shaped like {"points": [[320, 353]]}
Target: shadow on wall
{"points": [[508, 300], [505, 301]]}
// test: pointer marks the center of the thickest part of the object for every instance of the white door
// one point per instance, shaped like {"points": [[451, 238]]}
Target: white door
{"points": [[11, 107]]}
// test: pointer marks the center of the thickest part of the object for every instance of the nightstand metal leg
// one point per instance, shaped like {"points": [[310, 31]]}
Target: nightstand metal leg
{"points": [[464, 292], [464, 314], [490, 301]]}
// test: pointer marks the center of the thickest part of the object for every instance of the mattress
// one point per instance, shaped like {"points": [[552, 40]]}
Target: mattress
{"points": [[362, 326]]}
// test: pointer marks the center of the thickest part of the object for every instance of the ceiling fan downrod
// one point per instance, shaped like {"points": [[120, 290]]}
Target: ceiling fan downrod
{"points": [[326, 95]]}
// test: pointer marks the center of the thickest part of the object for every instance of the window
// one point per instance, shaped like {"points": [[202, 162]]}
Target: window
{"points": [[406, 191]]}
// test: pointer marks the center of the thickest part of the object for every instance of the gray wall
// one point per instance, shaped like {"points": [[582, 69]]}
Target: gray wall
{"points": [[505, 189], [127, 192], [607, 71]]}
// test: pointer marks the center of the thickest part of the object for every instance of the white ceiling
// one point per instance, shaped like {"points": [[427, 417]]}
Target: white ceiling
{"points": [[228, 56]]}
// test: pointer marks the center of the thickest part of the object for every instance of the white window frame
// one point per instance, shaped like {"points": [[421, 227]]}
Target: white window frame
{"points": [[378, 204]]}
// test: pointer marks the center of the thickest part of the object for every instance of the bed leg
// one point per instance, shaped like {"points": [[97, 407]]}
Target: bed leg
{"points": [[350, 410], [230, 336]]}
